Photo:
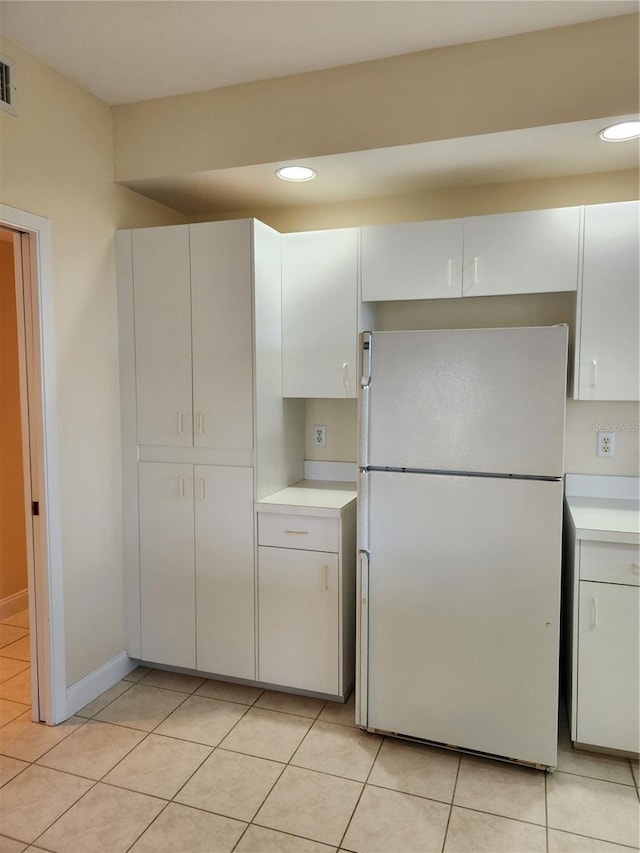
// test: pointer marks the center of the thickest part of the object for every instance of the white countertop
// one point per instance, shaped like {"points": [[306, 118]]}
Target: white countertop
{"points": [[324, 497], [605, 519]]}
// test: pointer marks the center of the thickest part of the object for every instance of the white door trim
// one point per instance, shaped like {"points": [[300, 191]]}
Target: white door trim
{"points": [[46, 578]]}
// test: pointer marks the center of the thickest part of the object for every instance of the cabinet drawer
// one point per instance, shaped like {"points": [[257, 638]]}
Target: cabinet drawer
{"points": [[305, 532], [610, 562]]}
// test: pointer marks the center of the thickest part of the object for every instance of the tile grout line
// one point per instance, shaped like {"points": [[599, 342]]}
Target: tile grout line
{"points": [[453, 795], [285, 765], [53, 822], [364, 786], [138, 837], [546, 811], [213, 750]]}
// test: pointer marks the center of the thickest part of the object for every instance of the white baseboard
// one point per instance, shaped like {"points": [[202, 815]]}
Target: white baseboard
{"points": [[101, 679], [14, 604]]}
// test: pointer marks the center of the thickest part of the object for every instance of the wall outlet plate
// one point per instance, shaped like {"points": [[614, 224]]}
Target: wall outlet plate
{"points": [[319, 435], [606, 444]]}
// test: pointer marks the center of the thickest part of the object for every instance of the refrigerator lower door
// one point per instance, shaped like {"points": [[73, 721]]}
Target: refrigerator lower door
{"points": [[463, 611]]}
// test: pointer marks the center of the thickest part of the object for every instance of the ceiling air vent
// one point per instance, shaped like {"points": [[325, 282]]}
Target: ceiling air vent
{"points": [[7, 85]]}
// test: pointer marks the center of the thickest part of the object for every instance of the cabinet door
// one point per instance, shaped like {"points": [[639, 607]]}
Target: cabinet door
{"points": [[608, 665], [415, 260], [298, 619], [167, 579], [608, 334], [319, 313], [162, 307], [221, 288], [531, 252], [225, 575]]}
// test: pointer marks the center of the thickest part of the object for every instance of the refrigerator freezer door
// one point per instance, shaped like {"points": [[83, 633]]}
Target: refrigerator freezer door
{"points": [[479, 400], [463, 611]]}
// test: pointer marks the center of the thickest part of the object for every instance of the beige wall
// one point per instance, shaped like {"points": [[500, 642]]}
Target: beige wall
{"points": [[584, 418], [540, 78], [449, 203], [13, 545], [57, 162]]}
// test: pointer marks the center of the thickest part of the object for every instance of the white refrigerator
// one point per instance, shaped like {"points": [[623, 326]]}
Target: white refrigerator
{"points": [[460, 517]]}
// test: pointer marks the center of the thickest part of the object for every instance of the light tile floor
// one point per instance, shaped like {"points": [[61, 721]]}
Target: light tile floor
{"points": [[165, 763]]}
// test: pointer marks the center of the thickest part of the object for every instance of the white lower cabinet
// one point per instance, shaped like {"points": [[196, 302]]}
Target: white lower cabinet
{"points": [[602, 603], [224, 571], [197, 584], [306, 593], [167, 577], [608, 681], [299, 618]]}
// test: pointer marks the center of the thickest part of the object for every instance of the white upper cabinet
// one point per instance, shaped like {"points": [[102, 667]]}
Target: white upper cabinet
{"points": [[415, 260], [162, 305], [320, 313], [531, 252], [607, 333], [221, 295], [193, 291], [508, 253]]}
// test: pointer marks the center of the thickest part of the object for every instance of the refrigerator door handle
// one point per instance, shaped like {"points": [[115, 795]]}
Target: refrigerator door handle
{"points": [[363, 511], [365, 381], [362, 651], [364, 402], [362, 601]]}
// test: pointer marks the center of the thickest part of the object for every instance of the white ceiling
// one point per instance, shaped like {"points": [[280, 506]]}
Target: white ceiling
{"points": [[131, 50], [128, 50]]}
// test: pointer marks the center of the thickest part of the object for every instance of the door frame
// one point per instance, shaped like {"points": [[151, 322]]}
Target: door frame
{"points": [[34, 294]]}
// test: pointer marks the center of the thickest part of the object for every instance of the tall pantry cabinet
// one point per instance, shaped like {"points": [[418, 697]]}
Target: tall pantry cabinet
{"points": [[205, 433]]}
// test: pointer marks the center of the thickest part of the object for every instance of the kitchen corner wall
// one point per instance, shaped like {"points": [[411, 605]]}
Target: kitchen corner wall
{"points": [[57, 162]]}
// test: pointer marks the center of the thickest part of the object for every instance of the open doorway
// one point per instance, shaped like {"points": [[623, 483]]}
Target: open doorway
{"points": [[32, 671], [17, 695]]}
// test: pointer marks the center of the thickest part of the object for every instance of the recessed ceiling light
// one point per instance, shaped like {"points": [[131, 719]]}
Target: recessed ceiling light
{"points": [[621, 131], [296, 173]]}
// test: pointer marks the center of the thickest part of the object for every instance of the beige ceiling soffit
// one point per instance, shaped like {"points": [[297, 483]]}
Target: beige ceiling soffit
{"points": [[528, 80]]}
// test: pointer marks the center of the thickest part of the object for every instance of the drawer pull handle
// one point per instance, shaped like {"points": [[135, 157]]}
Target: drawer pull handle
{"points": [[475, 270], [450, 271], [203, 489], [201, 423], [594, 373], [298, 532], [325, 578], [594, 613], [180, 423], [181, 488]]}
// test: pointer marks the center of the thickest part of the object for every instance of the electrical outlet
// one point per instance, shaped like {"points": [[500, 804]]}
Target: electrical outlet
{"points": [[606, 444], [319, 435]]}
